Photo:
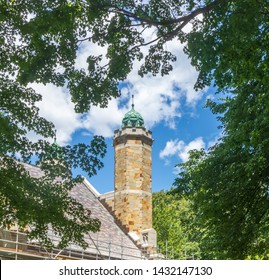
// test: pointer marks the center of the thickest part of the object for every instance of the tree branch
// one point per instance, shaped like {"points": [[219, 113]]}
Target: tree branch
{"points": [[186, 18]]}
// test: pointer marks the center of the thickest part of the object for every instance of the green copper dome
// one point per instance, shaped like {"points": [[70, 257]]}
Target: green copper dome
{"points": [[132, 119]]}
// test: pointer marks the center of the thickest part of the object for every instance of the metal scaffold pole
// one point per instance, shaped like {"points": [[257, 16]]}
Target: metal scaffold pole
{"points": [[17, 240]]}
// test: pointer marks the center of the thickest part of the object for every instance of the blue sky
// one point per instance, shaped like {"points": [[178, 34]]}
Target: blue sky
{"points": [[171, 109], [196, 125]]}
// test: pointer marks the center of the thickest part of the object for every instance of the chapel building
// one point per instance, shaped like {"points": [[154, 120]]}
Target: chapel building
{"points": [[126, 213]]}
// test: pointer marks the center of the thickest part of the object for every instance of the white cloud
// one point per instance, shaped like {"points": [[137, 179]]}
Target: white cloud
{"points": [[104, 121], [156, 98], [179, 148], [85, 50], [56, 106], [196, 144], [172, 147], [159, 98]]}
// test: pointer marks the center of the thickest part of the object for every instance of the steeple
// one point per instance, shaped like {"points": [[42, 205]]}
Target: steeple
{"points": [[132, 177], [132, 101]]}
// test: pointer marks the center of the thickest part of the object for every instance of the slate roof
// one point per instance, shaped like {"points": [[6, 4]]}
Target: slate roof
{"points": [[111, 241]]}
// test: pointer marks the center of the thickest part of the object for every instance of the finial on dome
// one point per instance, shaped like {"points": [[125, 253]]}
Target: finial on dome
{"points": [[132, 101], [132, 118]]}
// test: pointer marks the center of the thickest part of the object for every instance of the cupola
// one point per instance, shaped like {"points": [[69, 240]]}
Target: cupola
{"points": [[132, 118]]}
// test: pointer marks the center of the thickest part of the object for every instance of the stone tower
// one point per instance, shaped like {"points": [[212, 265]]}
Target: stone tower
{"points": [[132, 177]]}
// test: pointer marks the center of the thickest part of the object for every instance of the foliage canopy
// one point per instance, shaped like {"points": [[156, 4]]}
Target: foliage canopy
{"points": [[227, 43], [174, 222]]}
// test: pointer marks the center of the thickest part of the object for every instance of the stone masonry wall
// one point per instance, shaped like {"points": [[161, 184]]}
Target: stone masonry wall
{"points": [[133, 194], [108, 198]]}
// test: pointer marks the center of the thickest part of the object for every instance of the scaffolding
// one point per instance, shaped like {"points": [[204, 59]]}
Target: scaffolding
{"points": [[15, 245]]}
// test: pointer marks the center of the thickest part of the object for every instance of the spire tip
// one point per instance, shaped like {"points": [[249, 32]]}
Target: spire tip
{"points": [[132, 101]]}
